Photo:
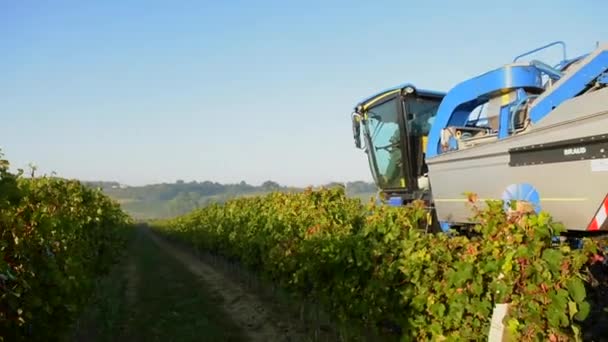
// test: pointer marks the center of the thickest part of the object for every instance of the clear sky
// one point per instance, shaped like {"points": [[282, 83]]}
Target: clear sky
{"points": [[148, 91]]}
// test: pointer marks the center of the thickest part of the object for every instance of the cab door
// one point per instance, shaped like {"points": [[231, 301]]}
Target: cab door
{"points": [[419, 113]]}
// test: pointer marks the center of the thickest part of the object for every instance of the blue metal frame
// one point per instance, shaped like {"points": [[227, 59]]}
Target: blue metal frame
{"points": [[445, 226], [395, 201], [570, 87], [458, 104], [466, 96], [522, 97], [504, 122], [603, 79]]}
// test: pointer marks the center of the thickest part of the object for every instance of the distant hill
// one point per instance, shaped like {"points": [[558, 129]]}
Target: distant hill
{"points": [[172, 199]]}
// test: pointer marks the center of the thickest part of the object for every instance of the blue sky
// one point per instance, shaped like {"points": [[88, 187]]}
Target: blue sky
{"points": [[148, 91]]}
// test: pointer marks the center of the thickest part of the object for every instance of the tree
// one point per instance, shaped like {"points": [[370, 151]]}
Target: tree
{"points": [[270, 185]]}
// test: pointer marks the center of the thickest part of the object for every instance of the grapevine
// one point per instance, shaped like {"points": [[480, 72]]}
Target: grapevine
{"points": [[374, 264], [56, 238]]}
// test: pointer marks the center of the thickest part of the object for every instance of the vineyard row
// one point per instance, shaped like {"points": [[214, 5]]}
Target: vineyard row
{"points": [[373, 264]]}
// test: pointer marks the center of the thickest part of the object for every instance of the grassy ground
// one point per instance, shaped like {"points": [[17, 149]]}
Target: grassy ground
{"points": [[149, 297]]}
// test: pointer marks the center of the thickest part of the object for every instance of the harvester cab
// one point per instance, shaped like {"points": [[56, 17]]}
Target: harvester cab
{"points": [[526, 131], [392, 127]]}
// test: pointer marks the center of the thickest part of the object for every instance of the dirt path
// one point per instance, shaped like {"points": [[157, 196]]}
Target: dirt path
{"points": [[131, 283], [246, 310], [163, 291]]}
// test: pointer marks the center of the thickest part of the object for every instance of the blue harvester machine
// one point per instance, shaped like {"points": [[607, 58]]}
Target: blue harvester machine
{"points": [[527, 131]]}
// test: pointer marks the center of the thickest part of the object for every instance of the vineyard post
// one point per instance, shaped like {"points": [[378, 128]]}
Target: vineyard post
{"points": [[498, 331]]}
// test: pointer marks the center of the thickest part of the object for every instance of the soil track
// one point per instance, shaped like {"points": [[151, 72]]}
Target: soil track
{"points": [[249, 312]]}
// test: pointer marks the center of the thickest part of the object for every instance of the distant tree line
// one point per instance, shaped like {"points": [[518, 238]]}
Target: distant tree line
{"points": [[171, 199]]}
